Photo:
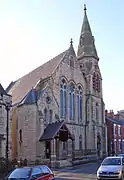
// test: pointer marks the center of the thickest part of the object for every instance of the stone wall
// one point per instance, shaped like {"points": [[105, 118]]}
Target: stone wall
{"points": [[26, 117], [5, 99]]}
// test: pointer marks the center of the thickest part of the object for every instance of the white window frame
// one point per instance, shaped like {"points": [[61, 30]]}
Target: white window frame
{"points": [[119, 130], [114, 126], [115, 146], [119, 144]]}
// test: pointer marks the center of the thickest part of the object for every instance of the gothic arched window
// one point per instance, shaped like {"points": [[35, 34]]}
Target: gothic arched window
{"points": [[71, 61], [71, 101], [63, 89], [80, 103]]}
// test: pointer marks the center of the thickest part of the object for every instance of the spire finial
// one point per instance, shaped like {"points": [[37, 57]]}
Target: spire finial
{"points": [[85, 9], [71, 42]]}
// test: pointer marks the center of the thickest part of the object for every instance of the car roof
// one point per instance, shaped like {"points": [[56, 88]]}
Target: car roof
{"points": [[113, 157]]}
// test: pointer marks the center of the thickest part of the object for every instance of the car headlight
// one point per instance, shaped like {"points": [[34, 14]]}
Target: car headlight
{"points": [[118, 171], [99, 172]]}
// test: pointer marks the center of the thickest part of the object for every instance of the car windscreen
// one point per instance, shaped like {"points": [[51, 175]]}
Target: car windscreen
{"points": [[112, 161], [122, 155], [20, 173]]}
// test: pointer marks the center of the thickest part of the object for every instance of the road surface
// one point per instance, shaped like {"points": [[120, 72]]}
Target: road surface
{"points": [[80, 172]]}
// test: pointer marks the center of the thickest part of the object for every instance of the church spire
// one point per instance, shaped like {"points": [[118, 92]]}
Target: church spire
{"points": [[86, 43], [86, 26]]}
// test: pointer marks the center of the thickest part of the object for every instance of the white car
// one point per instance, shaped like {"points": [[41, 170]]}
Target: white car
{"points": [[111, 168]]}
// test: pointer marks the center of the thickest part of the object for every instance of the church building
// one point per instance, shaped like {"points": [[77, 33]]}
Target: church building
{"points": [[58, 108]]}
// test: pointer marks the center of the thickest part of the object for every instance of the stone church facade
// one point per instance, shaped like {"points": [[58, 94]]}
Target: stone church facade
{"points": [[58, 109]]}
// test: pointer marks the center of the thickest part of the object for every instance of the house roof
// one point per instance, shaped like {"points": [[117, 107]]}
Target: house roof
{"points": [[115, 121], [52, 129], [22, 86], [2, 91]]}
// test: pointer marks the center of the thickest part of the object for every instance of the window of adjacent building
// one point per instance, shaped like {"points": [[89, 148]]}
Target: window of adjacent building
{"points": [[119, 130], [119, 144], [71, 101], [63, 89], [80, 103], [114, 127], [115, 146], [51, 114]]}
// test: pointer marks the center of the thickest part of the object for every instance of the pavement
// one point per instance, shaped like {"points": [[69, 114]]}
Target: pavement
{"points": [[79, 172]]}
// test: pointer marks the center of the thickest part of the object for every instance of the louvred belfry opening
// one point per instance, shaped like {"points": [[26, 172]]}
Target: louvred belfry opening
{"points": [[94, 81]]}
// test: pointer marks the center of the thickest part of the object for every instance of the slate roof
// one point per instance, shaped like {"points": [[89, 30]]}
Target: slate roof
{"points": [[22, 86], [2, 91], [115, 121], [51, 130]]}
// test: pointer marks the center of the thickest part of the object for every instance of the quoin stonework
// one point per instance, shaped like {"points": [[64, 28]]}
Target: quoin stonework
{"points": [[5, 115], [58, 109]]}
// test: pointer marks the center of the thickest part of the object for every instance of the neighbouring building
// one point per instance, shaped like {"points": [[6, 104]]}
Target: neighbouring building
{"points": [[5, 105], [115, 132], [58, 109]]}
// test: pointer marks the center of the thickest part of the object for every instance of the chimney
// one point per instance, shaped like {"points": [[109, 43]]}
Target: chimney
{"points": [[106, 112], [111, 113]]}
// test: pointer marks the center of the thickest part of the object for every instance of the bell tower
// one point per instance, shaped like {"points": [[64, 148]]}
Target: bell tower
{"points": [[88, 58], [89, 65]]}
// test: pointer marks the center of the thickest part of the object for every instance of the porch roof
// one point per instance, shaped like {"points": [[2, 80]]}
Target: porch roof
{"points": [[52, 129]]}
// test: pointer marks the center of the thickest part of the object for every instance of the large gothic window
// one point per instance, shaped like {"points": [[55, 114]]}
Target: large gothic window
{"points": [[71, 101], [63, 89], [80, 103]]}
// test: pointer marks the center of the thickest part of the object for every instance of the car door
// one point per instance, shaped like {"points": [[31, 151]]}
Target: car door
{"points": [[36, 174], [123, 164]]}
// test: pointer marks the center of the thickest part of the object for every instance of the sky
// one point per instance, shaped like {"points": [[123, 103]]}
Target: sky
{"points": [[34, 31]]}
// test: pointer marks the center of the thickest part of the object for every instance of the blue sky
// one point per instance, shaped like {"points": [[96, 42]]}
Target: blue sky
{"points": [[34, 31]]}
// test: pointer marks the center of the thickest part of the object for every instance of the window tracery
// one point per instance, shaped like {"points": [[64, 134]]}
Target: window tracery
{"points": [[63, 93], [80, 103], [96, 82], [72, 101]]}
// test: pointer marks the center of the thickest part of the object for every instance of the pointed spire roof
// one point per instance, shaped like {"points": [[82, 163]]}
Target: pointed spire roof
{"points": [[86, 26], [86, 45]]}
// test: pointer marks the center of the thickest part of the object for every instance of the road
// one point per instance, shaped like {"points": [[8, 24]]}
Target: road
{"points": [[80, 172]]}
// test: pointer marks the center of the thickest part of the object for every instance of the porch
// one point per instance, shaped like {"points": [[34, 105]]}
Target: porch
{"points": [[59, 144]]}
